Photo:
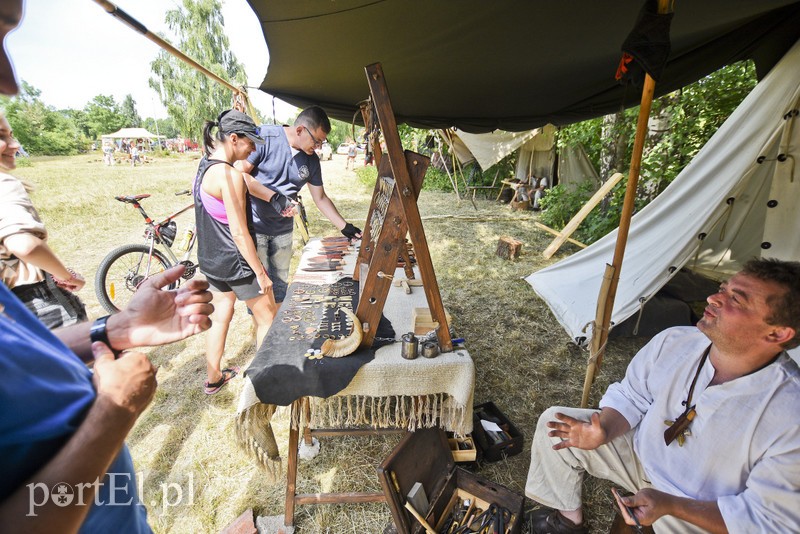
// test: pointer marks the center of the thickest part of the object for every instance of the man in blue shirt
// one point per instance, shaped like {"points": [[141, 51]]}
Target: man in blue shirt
{"points": [[284, 164], [63, 457]]}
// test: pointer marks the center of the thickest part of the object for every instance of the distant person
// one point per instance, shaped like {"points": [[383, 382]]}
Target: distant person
{"points": [[704, 428], [28, 266], [134, 154], [64, 425], [351, 156], [538, 188], [281, 167], [226, 249], [108, 153]]}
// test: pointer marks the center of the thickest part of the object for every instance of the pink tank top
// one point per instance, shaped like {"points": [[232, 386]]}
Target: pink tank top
{"points": [[213, 206]]}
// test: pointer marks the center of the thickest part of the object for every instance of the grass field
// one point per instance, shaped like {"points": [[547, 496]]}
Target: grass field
{"points": [[193, 476]]}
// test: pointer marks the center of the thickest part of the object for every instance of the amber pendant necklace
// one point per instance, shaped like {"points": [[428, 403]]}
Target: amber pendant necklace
{"points": [[679, 428]]}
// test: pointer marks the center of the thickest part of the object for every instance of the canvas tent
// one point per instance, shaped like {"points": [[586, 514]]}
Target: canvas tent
{"points": [[514, 66], [538, 155], [739, 198], [132, 133], [574, 167], [488, 148]]}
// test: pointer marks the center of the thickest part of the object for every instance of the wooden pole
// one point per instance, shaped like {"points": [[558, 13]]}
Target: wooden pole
{"points": [[609, 293], [578, 218], [137, 26]]}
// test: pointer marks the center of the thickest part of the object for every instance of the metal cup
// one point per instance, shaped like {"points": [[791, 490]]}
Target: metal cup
{"points": [[430, 349], [409, 348]]}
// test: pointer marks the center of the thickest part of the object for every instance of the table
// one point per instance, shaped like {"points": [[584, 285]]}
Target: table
{"points": [[386, 394]]}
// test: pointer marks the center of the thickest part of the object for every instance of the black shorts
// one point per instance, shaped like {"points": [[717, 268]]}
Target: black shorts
{"points": [[244, 289]]}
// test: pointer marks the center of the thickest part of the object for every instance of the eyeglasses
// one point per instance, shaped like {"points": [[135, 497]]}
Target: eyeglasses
{"points": [[317, 144]]}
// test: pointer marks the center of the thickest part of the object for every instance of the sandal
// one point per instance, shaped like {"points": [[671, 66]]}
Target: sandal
{"points": [[227, 374]]}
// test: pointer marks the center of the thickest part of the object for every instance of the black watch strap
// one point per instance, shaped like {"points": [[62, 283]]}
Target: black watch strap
{"points": [[99, 332]]}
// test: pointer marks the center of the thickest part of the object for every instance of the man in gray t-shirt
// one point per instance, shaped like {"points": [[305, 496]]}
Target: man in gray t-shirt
{"points": [[280, 168]]}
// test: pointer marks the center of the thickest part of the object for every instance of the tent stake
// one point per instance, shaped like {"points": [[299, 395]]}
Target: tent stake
{"points": [[607, 295]]}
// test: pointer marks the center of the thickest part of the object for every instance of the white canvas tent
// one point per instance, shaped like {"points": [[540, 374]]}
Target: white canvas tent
{"points": [[487, 148], [537, 156], [575, 168], [132, 133], [739, 198]]}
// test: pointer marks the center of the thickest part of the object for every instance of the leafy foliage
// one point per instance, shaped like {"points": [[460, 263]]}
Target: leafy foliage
{"points": [[165, 127], [681, 123], [190, 97], [128, 110], [103, 116], [40, 128]]}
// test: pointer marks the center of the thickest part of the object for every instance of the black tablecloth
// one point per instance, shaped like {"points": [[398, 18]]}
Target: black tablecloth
{"points": [[281, 371]]}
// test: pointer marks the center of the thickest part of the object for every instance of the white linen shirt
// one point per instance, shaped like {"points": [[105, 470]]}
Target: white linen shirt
{"points": [[744, 447]]}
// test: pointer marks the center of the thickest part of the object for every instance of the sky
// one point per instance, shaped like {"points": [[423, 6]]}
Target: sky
{"points": [[72, 51]]}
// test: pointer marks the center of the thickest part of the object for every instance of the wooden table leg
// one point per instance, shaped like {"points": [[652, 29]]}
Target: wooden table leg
{"points": [[291, 471], [307, 429]]}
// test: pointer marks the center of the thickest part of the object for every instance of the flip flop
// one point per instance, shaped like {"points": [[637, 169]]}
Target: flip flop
{"points": [[227, 375]]}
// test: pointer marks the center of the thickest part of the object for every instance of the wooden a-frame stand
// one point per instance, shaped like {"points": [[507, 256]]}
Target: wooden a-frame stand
{"points": [[393, 213]]}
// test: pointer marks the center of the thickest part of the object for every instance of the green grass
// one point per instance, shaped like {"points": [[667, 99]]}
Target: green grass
{"points": [[524, 360]]}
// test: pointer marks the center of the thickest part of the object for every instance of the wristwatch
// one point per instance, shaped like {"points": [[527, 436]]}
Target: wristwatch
{"points": [[99, 332]]}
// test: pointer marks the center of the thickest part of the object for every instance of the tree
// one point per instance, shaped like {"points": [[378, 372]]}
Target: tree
{"points": [[39, 128], [128, 110], [103, 116], [681, 123], [189, 96]]}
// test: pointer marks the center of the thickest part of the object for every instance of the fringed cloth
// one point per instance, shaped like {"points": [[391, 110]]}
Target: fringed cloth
{"points": [[388, 392]]}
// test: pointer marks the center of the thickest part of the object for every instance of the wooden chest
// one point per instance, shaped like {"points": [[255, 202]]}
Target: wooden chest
{"points": [[424, 456]]}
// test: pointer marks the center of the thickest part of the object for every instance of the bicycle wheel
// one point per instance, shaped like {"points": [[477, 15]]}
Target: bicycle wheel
{"points": [[123, 270]]}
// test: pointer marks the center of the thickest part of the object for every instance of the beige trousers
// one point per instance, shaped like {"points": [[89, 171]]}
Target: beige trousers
{"points": [[555, 478]]}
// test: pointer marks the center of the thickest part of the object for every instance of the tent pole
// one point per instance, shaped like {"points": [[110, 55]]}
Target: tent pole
{"points": [[608, 294], [137, 26], [441, 156]]}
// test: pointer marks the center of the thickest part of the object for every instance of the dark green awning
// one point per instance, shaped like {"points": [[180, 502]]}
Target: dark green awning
{"points": [[482, 65]]}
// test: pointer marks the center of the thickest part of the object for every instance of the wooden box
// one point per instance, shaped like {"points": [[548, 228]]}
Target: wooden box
{"points": [[423, 321], [509, 443], [424, 456], [463, 449]]}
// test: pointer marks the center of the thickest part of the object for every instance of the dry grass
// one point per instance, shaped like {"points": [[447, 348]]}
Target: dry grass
{"points": [[185, 440]]}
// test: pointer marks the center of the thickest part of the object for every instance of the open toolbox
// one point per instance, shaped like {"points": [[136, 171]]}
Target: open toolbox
{"points": [[501, 439], [425, 457]]}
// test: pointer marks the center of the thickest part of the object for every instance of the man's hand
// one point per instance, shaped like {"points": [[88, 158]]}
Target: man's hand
{"points": [[351, 232], [157, 317], [650, 504], [576, 433], [126, 384]]}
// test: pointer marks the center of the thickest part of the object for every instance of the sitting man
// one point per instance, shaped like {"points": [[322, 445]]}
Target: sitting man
{"points": [[538, 186], [704, 428]]}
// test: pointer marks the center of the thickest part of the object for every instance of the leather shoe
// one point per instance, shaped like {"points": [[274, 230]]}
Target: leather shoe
{"points": [[549, 521]]}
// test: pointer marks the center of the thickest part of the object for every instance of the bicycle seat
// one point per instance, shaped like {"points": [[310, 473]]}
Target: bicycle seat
{"points": [[132, 199]]}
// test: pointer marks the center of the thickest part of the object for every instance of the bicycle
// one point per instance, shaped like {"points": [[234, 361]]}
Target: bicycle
{"points": [[124, 269]]}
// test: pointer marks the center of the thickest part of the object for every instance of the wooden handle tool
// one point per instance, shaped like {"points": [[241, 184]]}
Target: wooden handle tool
{"points": [[419, 518]]}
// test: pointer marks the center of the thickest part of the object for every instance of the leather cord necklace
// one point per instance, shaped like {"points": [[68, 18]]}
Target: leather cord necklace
{"points": [[679, 428]]}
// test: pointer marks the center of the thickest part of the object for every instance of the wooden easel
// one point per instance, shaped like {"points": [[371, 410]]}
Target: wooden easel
{"points": [[393, 213]]}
